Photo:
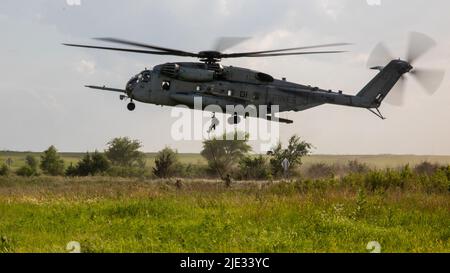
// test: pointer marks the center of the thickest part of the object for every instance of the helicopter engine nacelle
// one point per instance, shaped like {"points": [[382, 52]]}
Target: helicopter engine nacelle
{"points": [[195, 75]]}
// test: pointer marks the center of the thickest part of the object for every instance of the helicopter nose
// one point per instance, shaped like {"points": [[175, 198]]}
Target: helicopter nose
{"points": [[129, 91], [130, 87]]}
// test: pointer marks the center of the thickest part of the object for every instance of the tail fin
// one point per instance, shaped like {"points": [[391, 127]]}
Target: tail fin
{"points": [[378, 88]]}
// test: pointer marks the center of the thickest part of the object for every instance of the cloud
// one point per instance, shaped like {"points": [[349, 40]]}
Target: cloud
{"points": [[86, 67], [332, 7]]}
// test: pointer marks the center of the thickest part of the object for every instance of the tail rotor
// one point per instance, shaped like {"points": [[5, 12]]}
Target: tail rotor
{"points": [[429, 79]]}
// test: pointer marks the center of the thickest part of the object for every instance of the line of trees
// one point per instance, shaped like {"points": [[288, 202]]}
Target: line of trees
{"points": [[121, 158], [227, 157], [232, 159]]}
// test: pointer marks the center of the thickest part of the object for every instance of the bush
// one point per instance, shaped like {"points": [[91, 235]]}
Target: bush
{"points": [[51, 162], [26, 171], [426, 168], [71, 170], [436, 183], [30, 169], [321, 170], [94, 164], [446, 170], [253, 168], [4, 170], [354, 166], [166, 163]]}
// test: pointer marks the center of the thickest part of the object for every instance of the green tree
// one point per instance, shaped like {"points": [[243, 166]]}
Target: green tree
{"points": [[224, 154], [124, 152], [296, 149], [51, 162], [165, 163]]}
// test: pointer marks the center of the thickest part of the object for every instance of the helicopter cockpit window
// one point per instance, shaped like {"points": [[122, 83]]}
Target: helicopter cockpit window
{"points": [[146, 76], [165, 85], [133, 80]]}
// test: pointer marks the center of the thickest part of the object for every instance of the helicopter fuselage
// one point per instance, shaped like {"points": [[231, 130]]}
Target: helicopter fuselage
{"points": [[176, 84]]}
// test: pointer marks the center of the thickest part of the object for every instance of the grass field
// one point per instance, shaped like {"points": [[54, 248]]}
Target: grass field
{"points": [[375, 161], [44, 214]]}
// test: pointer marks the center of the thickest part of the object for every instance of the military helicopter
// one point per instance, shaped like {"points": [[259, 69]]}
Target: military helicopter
{"points": [[179, 83]]}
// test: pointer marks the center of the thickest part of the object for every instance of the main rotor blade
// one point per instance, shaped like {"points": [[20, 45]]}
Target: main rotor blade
{"points": [[281, 54], [225, 43], [127, 50], [246, 54], [397, 95], [429, 79], [380, 56], [126, 42], [419, 44]]}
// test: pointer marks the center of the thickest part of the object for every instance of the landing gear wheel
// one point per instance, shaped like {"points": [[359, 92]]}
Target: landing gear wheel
{"points": [[131, 106]]}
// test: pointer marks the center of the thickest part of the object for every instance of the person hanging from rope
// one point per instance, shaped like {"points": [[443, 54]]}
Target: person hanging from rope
{"points": [[214, 123]]}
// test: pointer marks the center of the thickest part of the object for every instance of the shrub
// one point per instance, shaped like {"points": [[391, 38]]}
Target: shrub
{"points": [[446, 169], [321, 170], [166, 162], [354, 166], [32, 162], [253, 168], [30, 168], [94, 164], [374, 180], [426, 168], [436, 183], [25, 171], [51, 162], [361, 204], [4, 170], [71, 170]]}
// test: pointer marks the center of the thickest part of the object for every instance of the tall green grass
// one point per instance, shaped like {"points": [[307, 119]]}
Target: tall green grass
{"points": [[131, 215]]}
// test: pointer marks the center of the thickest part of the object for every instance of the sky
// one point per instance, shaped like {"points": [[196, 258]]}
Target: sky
{"points": [[43, 101]]}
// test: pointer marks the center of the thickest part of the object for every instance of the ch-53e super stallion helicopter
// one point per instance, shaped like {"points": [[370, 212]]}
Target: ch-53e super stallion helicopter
{"points": [[172, 84]]}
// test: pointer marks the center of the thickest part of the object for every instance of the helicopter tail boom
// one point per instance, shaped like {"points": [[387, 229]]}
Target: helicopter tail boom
{"points": [[380, 86]]}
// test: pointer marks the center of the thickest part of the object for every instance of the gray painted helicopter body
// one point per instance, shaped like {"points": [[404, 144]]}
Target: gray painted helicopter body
{"points": [[175, 84]]}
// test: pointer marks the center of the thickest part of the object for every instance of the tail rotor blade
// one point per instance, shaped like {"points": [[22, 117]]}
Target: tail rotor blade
{"points": [[419, 44], [379, 56], [429, 79], [397, 95]]}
